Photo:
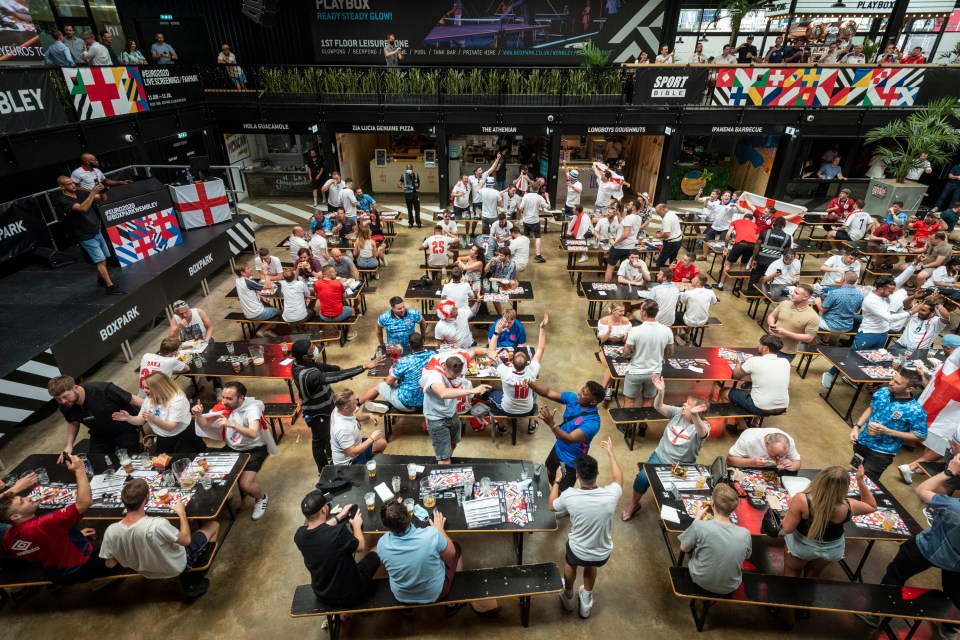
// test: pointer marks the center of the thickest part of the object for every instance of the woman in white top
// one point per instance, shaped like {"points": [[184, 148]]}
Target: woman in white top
{"points": [[472, 265], [643, 59], [666, 56], [697, 56], [167, 411], [295, 295], [612, 330], [367, 251]]}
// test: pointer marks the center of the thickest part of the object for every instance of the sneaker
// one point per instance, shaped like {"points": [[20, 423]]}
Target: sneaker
{"points": [[532, 426], [197, 589], [351, 336], [219, 393], [928, 514], [451, 609], [101, 282], [718, 287], [114, 290], [501, 428], [586, 602], [375, 407], [826, 379], [608, 394], [583, 258], [540, 259], [905, 473], [569, 602], [260, 507], [870, 621]]}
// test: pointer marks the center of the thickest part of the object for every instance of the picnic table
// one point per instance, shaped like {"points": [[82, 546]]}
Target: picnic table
{"points": [[480, 370], [276, 298], [219, 363], [429, 296]]}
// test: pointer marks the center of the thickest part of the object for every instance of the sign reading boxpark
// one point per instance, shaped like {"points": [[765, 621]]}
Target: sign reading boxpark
{"points": [[28, 101], [171, 85], [484, 32], [669, 85], [22, 228]]}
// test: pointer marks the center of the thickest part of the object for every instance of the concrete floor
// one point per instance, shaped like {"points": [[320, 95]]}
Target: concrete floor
{"points": [[255, 573]]}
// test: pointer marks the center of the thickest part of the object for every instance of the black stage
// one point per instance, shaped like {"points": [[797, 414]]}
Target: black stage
{"points": [[60, 319]]}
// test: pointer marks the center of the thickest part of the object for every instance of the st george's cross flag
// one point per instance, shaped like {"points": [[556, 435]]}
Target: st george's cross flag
{"points": [[941, 400], [201, 204], [101, 92], [580, 226], [792, 212]]}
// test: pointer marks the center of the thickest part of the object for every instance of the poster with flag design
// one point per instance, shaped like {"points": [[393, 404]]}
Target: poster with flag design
{"points": [[757, 204], [101, 92], [201, 204], [140, 238]]}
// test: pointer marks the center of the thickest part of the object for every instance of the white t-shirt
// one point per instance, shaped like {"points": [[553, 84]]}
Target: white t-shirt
{"points": [[920, 334], [667, 297], [297, 243], [628, 271], [697, 303], [501, 233], [670, 227], [476, 184], [857, 223], [770, 375], [518, 398], [631, 221], [248, 291], [152, 362], [489, 199], [832, 278], [333, 192], [530, 206], [459, 292], [591, 518], [608, 229], [509, 203], [520, 251], [319, 247], [648, 340], [178, 411], [344, 433], [437, 246], [605, 191], [86, 179], [724, 216], [449, 227], [461, 195], [455, 331], [750, 444], [348, 200], [617, 331], [790, 271], [711, 208], [274, 268], [573, 193], [294, 299], [148, 546], [251, 411]]}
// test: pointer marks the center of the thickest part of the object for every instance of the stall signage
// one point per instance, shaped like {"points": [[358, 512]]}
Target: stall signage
{"points": [[658, 85]]}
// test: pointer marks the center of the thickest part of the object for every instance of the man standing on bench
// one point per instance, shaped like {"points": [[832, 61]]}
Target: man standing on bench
{"points": [[152, 546], [717, 547], [445, 396], [421, 563], [398, 323], [581, 422], [328, 548], [401, 388], [591, 507]]}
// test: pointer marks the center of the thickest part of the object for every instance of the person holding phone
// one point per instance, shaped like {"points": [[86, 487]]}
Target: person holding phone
{"points": [[328, 543]]}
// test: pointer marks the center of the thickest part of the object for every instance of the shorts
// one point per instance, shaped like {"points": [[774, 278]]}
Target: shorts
{"points": [[239, 79], [843, 235], [459, 212], [713, 234], [615, 256], [450, 570], [198, 544], [392, 395], [635, 384], [96, 247], [444, 434], [571, 559], [531, 229], [552, 463], [477, 208], [743, 399], [741, 251], [258, 455], [268, 313], [364, 457], [803, 548]]}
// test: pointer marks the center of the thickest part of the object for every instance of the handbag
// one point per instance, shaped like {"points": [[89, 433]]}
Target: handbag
{"points": [[772, 523], [718, 472]]}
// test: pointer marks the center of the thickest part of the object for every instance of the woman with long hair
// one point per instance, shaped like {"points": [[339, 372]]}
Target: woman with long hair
{"points": [[472, 264], [815, 520], [131, 55], [612, 329], [167, 411], [366, 250]]}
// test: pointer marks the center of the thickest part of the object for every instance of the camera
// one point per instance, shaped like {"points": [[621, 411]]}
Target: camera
{"points": [[128, 137], [810, 118], [550, 118]]}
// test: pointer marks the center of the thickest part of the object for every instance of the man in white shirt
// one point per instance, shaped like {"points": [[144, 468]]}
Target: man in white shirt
{"points": [[461, 197], [94, 53], [89, 174], [453, 329], [517, 398], [667, 296], [319, 246], [489, 199], [437, 247], [784, 270], [856, 226], [348, 200], [608, 227], [623, 244], [266, 265], [152, 546], [295, 293], [924, 167], [647, 345], [500, 230], [332, 187], [835, 266], [697, 301], [605, 189], [723, 214], [519, 248], [346, 442], [446, 394], [449, 225], [531, 205], [855, 57], [477, 182], [670, 234], [770, 377], [574, 189], [164, 361], [298, 240], [510, 202], [457, 290], [764, 447], [251, 301], [727, 56], [633, 272], [927, 319]]}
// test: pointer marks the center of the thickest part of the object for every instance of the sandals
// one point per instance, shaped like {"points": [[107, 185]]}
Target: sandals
{"points": [[629, 516]]}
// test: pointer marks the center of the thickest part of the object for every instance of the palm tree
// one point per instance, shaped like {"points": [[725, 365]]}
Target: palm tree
{"points": [[929, 130], [738, 10]]}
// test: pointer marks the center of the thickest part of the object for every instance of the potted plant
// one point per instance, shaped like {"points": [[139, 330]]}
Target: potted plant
{"points": [[411, 86], [537, 87], [900, 143], [289, 85], [595, 82], [737, 10], [473, 87], [951, 56]]}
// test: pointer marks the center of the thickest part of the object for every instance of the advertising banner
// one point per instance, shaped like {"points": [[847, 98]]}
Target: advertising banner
{"points": [[22, 228], [667, 86], [28, 102], [140, 221], [171, 85], [512, 32], [101, 92], [19, 36]]}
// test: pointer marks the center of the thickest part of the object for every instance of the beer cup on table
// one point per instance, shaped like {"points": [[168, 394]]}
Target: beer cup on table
{"points": [[370, 499]]}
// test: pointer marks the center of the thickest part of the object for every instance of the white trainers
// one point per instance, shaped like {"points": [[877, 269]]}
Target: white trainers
{"points": [[569, 602], [826, 380], [586, 602], [583, 258], [375, 407], [260, 507], [905, 473], [351, 336]]}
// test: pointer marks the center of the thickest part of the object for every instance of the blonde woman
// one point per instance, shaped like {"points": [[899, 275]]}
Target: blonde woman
{"points": [[814, 524], [612, 330], [367, 252], [167, 411]]}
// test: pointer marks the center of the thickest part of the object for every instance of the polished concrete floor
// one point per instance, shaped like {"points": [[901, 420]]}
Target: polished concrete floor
{"points": [[258, 567]]}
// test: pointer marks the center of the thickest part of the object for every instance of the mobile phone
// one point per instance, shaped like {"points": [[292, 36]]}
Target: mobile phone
{"points": [[353, 511], [66, 458], [856, 461]]}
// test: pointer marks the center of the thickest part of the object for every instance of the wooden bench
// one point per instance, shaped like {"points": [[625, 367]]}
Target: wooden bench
{"points": [[634, 420], [276, 413], [251, 327], [523, 582], [500, 414], [484, 319], [366, 275], [390, 417], [696, 333], [883, 601], [16, 574], [576, 271]]}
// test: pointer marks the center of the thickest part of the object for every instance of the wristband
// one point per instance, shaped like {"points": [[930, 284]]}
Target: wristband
{"points": [[949, 474]]}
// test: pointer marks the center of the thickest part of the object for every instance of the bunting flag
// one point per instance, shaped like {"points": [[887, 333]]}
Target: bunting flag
{"points": [[792, 212], [143, 237], [101, 92], [817, 86]]}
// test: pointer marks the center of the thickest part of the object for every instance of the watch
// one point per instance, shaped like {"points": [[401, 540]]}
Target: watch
{"points": [[949, 474]]}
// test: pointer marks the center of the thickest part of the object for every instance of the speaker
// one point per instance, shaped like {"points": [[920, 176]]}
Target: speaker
{"points": [[263, 12], [53, 259]]}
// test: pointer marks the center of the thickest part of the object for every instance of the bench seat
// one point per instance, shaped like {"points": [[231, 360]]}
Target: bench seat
{"points": [[251, 327], [276, 413]]}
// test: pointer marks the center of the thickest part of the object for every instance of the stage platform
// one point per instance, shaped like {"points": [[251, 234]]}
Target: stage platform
{"points": [[60, 321]]}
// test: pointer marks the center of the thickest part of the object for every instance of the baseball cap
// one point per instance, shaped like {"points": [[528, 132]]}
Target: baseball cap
{"points": [[301, 348], [574, 173], [950, 341], [750, 37], [312, 503], [845, 190], [180, 304], [445, 309]]}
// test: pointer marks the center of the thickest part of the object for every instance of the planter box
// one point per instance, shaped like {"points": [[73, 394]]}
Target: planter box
{"points": [[881, 193], [470, 99], [599, 100], [410, 98], [530, 101], [350, 98]]}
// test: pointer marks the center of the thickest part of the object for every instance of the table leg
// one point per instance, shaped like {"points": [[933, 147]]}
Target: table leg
{"points": [[857, 574], [853, 402], [666, 539], [513, 437], [713, 264], [518, 546], [290, 388]]}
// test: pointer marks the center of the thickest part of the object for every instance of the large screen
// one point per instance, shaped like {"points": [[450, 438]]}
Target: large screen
{"points": [[19, 38], [488, 32]]}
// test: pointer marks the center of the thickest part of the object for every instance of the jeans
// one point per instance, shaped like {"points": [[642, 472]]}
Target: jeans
{"points": [[347, 312], [320, 442], [668, 253], [864, 342], [641, 483], [268, 313], [368, 263], [909, 562], [874, 462], [950, 218]]}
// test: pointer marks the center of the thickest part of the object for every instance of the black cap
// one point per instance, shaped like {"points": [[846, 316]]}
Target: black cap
{"points": [[313, 503], [301, 348], [750, 37]]}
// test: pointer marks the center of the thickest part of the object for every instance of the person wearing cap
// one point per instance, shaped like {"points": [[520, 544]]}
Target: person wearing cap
{"points": [[746, 51], [328, 544], [840, 207], [453, 329], [489, 199], [835, 266], [313, 378], [574, 189]]}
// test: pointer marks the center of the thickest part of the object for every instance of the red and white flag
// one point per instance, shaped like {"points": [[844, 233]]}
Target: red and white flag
{"points": [[580, 226], [941, 401], [757, 204], [201, 204]]}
